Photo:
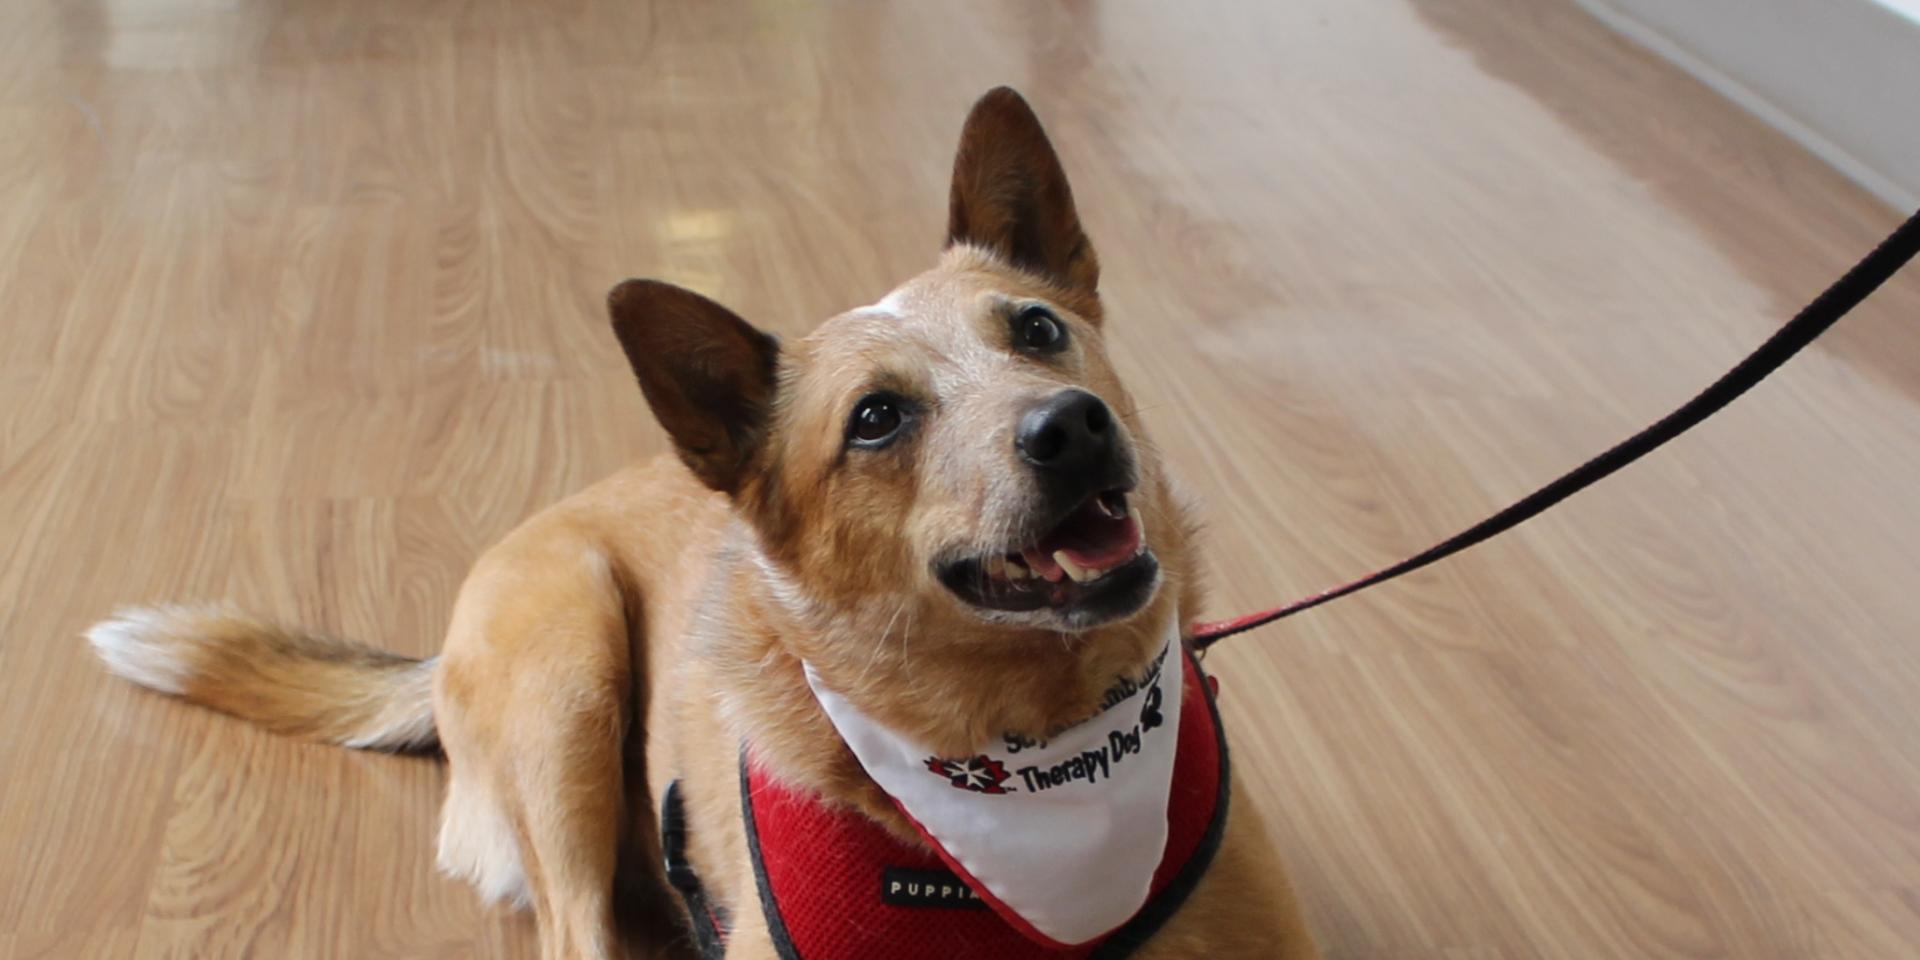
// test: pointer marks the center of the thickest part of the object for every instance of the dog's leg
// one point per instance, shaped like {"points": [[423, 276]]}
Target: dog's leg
{"points": [[538, 694], [569, 799], [1243, 909], [593, 856], [749, 939]]}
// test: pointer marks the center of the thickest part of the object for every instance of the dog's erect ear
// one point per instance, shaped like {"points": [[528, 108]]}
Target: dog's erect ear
{"points": [[1010, 195], [708, 374]]}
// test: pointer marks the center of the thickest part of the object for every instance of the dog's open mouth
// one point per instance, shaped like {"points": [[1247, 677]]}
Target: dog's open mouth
{"points": [[1094, 562]]}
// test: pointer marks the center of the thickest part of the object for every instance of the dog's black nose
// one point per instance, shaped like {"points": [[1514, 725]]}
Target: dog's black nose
{"points": [[1068, 432]]}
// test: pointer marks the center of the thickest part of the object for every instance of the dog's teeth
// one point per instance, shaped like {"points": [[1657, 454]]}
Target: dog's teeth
{"points": [[1100, 504], [1017, 569], [995, 567], [1075, 572], [1140, 530]]}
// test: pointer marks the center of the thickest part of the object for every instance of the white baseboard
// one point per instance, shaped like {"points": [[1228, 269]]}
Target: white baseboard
{"points": [[1842, 77]]}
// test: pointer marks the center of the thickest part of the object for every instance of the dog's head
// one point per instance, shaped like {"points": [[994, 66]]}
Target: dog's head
{"points": [[963, 444]]}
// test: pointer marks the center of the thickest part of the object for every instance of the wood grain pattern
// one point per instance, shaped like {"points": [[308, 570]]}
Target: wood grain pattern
{"points": [[302, 307]]}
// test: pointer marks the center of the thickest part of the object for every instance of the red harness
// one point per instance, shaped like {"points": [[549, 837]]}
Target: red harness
{"points": [[837, 886]]}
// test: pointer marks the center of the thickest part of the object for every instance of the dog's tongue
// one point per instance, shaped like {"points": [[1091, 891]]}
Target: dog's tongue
{"points": [[1089, 538]]}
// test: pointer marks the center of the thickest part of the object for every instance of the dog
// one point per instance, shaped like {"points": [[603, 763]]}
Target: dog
{"points": [[885, 560]]}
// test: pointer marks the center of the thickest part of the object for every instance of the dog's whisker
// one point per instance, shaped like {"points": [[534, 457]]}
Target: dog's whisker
{"points": [[1136, 411], [913, 622], [879, 648]]}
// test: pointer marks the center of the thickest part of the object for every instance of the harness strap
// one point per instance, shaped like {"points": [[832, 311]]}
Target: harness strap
{"points": [[1840, 298]]}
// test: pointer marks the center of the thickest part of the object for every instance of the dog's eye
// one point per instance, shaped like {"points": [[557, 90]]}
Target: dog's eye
{"points": [[1037, 330], [875, 420]]}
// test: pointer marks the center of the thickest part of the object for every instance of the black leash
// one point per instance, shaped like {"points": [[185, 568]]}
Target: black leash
{"points": [[1845, 294]]}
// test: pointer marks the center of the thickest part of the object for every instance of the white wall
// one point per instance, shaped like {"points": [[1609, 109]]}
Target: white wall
{"points": [[1909, 7], [1840, 76]]}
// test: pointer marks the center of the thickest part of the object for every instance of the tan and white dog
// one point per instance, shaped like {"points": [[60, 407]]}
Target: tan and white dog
{"points": [[938, 504]]}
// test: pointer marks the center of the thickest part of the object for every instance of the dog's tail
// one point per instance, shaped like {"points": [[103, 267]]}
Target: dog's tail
{"points": [[287, 680]]}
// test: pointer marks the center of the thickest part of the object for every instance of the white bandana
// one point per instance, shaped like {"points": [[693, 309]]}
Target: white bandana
{"points": [[1066, 833]]}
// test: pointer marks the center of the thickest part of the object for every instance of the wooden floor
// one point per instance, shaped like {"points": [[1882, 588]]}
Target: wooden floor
{"points": [[301, 307]]}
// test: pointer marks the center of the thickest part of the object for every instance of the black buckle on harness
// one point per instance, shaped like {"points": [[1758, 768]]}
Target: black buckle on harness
{"points": [[709, 923]]}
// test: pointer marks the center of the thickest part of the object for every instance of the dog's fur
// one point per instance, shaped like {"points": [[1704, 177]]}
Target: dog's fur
{"points": [[646, 627]]}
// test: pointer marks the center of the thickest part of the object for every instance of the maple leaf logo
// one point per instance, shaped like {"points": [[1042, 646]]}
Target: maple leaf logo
{"points": [[981, 774]]}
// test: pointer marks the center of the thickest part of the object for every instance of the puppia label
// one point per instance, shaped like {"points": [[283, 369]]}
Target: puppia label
{"points": [[903, 887], [1090, 752]]}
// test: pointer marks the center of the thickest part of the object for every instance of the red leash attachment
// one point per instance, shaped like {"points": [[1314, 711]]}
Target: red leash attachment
{"points": [[1818, 316]]}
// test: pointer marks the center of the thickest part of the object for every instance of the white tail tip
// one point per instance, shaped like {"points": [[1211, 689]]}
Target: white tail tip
{"points": [[142, 645]]}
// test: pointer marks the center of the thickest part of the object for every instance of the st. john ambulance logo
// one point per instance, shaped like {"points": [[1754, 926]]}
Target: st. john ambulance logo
{"points": [[981, 774]]}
